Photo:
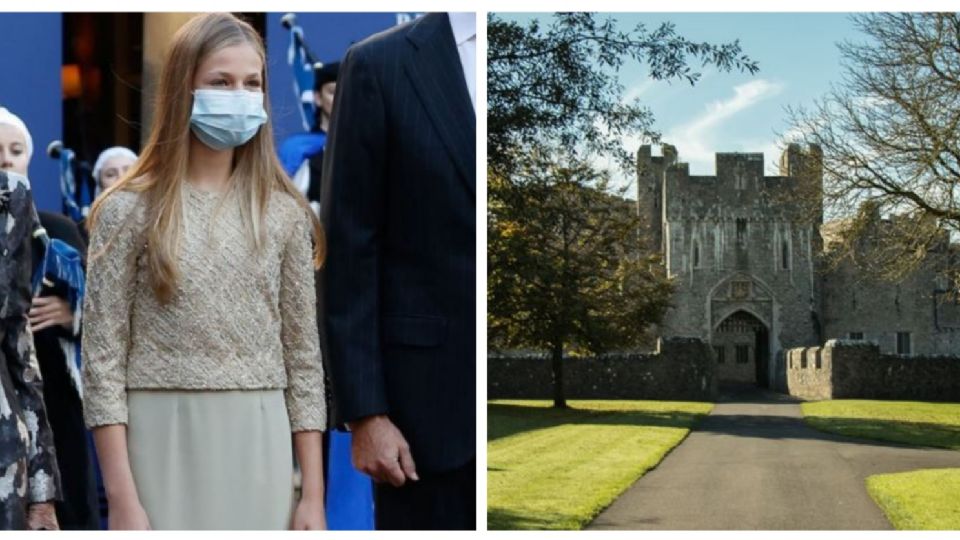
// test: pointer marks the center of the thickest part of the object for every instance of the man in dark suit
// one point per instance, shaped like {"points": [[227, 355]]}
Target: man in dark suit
{"points": [[399, 199]]}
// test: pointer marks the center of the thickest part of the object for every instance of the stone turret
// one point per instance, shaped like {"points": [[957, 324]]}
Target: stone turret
{"points": [[650, 171], [804, 164]]}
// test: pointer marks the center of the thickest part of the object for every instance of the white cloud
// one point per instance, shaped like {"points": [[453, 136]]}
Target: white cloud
{"points": [[696, 140], [638, 90]]}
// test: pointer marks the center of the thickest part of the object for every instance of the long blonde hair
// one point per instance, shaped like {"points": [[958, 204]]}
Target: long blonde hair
{"points": [[162, 166]]}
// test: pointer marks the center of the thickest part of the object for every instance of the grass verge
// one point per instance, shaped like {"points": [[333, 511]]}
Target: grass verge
{"points": [[909, 422], [927, 499], [558, 468]]}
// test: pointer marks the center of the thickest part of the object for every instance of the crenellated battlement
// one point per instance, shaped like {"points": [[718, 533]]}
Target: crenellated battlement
{"points": [[739, 190]]}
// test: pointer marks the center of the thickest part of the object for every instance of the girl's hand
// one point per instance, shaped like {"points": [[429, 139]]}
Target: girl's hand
{"points": [[309, 516], [127, 515]]}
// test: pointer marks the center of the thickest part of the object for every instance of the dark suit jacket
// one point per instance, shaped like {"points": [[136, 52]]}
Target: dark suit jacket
{"points": [[399, 199]]}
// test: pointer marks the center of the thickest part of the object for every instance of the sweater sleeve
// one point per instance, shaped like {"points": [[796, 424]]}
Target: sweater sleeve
{"points": [[111, 278], [301, 342]]}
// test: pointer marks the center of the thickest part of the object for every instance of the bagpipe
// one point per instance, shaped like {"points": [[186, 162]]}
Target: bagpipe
{"points": [[60, 272], [303, 63], [77, 196]]}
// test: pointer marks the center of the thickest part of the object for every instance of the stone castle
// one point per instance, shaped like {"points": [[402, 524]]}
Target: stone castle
{"points": [[747, 258]]}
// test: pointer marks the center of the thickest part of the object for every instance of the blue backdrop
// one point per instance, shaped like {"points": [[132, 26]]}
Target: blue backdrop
{"points": [[32, 52]]}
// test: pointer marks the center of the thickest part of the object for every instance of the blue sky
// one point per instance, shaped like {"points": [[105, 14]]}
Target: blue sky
{"points": [[734, 112]]}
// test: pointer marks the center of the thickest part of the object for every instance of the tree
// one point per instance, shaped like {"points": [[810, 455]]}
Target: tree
{"points": [[891, 143], [566, 272], [559, 84]]}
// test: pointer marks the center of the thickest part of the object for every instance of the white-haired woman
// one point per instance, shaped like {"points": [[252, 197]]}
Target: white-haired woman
{"points": [[29, 478], [111, 165], [55, 325]]}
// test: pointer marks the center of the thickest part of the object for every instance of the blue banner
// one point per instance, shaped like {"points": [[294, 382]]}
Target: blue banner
{"points": [[302, 71], [68, 186]]}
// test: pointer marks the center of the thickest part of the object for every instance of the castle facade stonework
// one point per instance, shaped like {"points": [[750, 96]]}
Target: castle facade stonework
{"points": [[746, 253]]}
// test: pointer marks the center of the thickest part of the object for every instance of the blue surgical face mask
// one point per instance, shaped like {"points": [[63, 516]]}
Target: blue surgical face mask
{"points": [[224, 119]]}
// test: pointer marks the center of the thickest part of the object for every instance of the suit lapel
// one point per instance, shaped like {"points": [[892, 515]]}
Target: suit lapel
{"points": [[435, 71]]}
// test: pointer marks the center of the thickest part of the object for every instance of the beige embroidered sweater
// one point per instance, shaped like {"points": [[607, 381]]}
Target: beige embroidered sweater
{"points": [[237, 320]]}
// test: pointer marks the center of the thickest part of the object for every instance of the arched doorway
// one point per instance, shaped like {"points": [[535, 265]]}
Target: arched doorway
{"points": [[741, 344]]}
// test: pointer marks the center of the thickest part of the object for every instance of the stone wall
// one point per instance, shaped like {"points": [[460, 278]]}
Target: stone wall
{"points": [[948, 341], [681, 369], [857, 370], [809, 372], [854, 303]]}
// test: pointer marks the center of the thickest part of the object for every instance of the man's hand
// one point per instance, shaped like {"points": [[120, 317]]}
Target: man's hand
{"points": [[48, 311], [380, 451], [42, 517]]}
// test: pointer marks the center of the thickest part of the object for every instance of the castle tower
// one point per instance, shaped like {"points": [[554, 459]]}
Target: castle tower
{"points": [[743, 255], [805, 166], [650, 171]]}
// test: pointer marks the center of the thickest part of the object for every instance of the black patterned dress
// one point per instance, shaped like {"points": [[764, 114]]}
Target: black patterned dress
{"points": [[28, 465]]}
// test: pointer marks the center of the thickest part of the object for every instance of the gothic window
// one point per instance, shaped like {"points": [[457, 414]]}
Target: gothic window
{"points": [[858, 336], [741, 231], [743, 354], [784, 255], [721, 353], [696, 254], [717, 250], [940, 283], [903, 343]]}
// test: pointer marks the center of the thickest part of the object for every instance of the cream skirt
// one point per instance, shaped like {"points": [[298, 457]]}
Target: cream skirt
{"points": [[212, 459]]}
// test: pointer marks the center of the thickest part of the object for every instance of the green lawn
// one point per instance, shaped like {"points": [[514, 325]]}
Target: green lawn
{"points": [[928, 499], [923, 499], [909, 422], [557, 469]]}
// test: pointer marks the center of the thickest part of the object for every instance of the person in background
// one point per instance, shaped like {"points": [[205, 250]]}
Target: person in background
{"points": [[302, 158], [111, 165], [55, 326], [29, 476], [302, 154]]}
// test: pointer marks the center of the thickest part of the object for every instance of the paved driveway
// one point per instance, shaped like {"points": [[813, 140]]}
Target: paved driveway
{"points": [[754, 464]]}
